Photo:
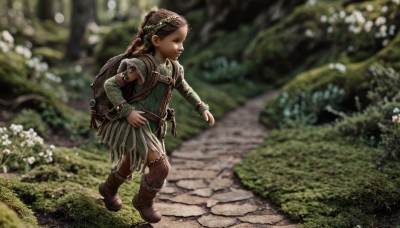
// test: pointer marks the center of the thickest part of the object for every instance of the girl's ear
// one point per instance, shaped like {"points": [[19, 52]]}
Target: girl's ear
{"points": [[155, 40]]}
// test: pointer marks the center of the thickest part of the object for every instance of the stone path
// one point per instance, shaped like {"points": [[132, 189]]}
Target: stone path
{"points": [[202, 190]]}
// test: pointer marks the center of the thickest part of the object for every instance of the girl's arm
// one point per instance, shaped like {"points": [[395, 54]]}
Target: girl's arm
{"points": [[191, 96], [112, 87]]}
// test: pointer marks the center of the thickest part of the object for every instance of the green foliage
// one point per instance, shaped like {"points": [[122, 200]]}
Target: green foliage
{"points": [[320, 177], [221, 70], [114, 41], [14, 212], [301, 108]]}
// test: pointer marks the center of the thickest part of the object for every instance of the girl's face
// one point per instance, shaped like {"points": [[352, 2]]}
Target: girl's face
{"points": [[171, 46]]}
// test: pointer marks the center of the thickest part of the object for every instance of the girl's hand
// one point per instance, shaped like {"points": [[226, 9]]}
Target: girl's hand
{"points": [[208, 117], [136, 119]]}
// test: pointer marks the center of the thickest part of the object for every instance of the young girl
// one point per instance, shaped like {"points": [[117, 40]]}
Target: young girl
{"points": [[136, 138]]}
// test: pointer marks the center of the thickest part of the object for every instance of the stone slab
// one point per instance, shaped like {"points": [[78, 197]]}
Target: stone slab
{"points": [[180, 210], [233, 209], [216, 221], [262, 219]]}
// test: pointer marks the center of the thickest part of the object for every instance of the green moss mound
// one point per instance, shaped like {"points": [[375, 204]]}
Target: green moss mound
{"points": [[14, 213], [319, 177]]}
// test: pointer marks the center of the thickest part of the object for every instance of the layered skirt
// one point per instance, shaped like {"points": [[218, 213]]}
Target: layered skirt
{"points": [[125, 140]]}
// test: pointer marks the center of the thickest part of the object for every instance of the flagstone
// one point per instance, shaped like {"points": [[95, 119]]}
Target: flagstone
{"points": [[216, 221], [233, 209], [180, 210]]}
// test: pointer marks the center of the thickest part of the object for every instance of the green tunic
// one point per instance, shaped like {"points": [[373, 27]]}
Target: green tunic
{"points": [[126, 140]]}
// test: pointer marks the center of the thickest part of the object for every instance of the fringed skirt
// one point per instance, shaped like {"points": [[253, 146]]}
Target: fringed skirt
{"points": [[127, 141]]}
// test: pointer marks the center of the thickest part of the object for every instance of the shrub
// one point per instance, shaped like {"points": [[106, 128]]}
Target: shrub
{"points": [[301, 108]]}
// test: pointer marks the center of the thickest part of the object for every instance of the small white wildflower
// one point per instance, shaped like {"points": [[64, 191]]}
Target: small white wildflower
{"points": [[6, 152], [31, 160], [52, 147], [394, 118], [370, 8], [311, 2], [396, 2], [380, 21], [6, 142], [392, 29], [78, 68], [368, 26], [382, 31], [323, 19], [396, 110], [329, 29], [4, 47], [331, 66], [41, 154], [342, 14], [384, 9], [309, 33], [2, 130], [7, 37], [385, 42]]}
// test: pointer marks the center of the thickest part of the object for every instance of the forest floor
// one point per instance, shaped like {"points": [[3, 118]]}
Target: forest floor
{"points": [[202, 188]]}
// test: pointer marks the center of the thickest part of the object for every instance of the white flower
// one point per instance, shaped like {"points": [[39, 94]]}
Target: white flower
{"points": [[52, 147], [7, 37], [370, 8], [6, 152], [16, 128], [309, 33], [380, 21], [2, 130], [323, 19], [4, 137], [382, 31], [392, 29], [342, 14], [31, 160], [338, 66], [6, 142], [396, 110], [24, 51], [41, 154], [329, 29], [311, 2], [4, 47], [368, 26], [394, 118], [384, 9], [396, 2], [385, 42]]}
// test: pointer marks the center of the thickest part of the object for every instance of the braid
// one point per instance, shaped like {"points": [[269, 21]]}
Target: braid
{"points": [[137, 45]]}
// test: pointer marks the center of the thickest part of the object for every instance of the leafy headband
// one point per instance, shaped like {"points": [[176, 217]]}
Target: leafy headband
{"points": [[152, 29]]}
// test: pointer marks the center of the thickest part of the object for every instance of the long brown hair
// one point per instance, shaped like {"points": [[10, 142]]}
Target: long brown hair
{"points": [[153, 17]]}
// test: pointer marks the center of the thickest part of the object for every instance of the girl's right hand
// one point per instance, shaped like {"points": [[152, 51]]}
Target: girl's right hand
{"points": [[136, 119]]}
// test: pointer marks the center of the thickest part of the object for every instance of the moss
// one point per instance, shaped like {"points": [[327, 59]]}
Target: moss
{"points": [[9, 218], [314, 174], [14, 212]]}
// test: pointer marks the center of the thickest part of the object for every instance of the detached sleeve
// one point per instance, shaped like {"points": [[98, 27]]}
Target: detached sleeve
{"points": [[188, 93]]}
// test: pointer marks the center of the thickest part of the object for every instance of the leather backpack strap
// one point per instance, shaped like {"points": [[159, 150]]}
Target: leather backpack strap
{"points": [[150, 81]]}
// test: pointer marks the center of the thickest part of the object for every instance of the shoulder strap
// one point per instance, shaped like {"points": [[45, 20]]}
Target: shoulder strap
{"points": [[151, 78], [175, 71]]}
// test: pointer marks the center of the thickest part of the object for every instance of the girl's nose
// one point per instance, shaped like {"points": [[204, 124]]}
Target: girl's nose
{"points": [[181, 48]]}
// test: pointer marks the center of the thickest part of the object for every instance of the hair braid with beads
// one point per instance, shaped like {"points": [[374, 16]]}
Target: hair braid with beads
{"points": [[141, 44]]}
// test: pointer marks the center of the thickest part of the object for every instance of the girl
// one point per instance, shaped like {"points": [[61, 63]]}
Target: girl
{"points": [[136, 138]]}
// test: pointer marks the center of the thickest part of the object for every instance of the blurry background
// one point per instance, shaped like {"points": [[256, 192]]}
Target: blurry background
{"points": [[332, 159]]}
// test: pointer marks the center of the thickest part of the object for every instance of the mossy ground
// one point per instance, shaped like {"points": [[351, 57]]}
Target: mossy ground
{"points": [[321, 178]]}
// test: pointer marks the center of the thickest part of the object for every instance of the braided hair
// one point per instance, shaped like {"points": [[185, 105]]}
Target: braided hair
{"points": [[160, 22]]}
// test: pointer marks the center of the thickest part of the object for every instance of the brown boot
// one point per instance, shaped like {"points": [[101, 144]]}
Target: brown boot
{"points": [[143, 202], [109, 190], [150, 185]]}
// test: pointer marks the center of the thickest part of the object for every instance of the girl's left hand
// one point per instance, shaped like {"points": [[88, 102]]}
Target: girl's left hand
{"points": [[208, 117]]}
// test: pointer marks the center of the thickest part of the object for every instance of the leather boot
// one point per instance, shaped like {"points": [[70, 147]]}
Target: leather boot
{"points": [[150, 185], [109, 188]]}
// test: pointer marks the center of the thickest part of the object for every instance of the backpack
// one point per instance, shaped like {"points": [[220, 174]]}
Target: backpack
{"points": [[101, 109]]}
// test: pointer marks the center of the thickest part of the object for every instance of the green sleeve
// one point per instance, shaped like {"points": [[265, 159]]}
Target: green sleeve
{"points": [[114, 94], [188, 93]]}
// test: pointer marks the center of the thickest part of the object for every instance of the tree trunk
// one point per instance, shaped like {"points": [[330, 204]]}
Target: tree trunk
{"points": [[45, 9], [83, 12]]}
